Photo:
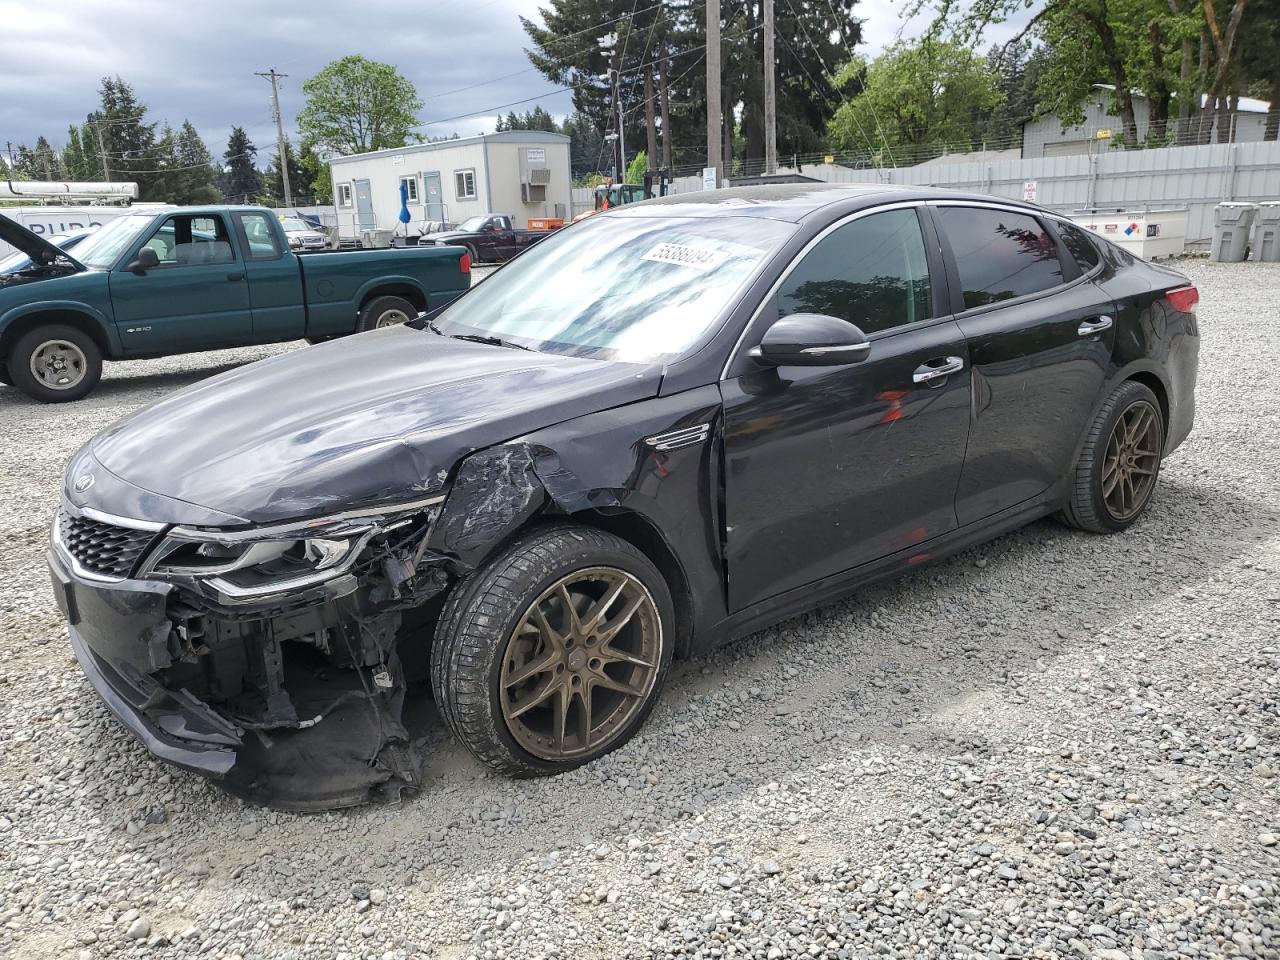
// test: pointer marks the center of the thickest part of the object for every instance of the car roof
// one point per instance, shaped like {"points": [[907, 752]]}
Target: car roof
{"points": [[791, 202]]}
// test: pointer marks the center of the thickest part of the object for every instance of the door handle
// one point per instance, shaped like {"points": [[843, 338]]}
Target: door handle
{"points": [[1096, 325], [235, 276], [945, 368]]}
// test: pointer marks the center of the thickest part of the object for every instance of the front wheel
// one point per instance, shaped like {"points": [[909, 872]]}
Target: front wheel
{"points": [[1120, 462], [554, 653], [55, 363]]}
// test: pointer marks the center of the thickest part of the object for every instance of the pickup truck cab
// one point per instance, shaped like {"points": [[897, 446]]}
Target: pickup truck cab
{"points": [[489, 238], [184, 279]]}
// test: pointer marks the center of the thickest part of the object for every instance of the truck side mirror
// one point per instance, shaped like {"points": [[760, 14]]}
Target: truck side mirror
{"points": [[147, 259]]}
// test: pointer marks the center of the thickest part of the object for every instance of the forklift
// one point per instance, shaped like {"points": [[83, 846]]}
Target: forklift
{"points": [[610, 195]]}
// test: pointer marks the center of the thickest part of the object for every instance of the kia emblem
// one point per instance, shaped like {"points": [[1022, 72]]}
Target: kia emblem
{"points": [[84, 482]]}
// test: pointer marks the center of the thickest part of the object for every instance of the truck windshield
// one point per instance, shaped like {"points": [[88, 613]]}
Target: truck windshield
{"points": [[472, 224], [636, 289], [101, 250], [294, 225]]}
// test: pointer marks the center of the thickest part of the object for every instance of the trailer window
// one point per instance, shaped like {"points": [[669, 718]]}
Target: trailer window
{"points": [[464, 184]]}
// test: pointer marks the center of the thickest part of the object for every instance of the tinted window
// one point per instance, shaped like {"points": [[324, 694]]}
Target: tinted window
{"points": [[871, 272], [262, 241], [1080, 246], [1000, 255]]}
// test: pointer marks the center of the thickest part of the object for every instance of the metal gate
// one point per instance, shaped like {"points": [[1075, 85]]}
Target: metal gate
{"points": [[435, 200], [365, 220]]}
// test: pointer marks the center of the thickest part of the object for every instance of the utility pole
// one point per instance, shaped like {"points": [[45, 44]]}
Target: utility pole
{"points": [[280, 148], [102, 152], [770, 96], [713, 88], [619, 148]]}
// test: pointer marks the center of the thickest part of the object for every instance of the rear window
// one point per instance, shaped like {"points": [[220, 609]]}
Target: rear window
{"points": [[1000, 255], [1080, 246]]}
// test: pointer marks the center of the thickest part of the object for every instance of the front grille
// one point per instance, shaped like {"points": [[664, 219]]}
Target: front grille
{"points": [[102, 548]]}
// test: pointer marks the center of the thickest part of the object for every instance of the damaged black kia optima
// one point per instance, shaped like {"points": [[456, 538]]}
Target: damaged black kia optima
{"points": [[661, 428]]}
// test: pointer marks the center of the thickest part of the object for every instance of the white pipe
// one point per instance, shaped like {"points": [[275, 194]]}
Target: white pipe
{"points": [[49, 190]]}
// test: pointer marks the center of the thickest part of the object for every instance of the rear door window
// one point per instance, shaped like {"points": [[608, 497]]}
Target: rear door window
{"points": [[1081, 248], [1000, 255]]}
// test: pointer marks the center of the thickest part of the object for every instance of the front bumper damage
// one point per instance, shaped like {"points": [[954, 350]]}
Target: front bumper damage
{"points": [[295, 704]]}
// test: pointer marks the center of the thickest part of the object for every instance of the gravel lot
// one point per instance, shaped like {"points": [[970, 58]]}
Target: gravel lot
{"points": [[1054, 745]]}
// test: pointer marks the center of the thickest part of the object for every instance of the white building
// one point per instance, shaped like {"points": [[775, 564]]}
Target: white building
{"points": [[521, 173]]}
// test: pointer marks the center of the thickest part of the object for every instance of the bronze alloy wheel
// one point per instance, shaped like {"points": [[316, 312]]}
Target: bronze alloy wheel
{"points": [[581, 662], [1132, 460]]}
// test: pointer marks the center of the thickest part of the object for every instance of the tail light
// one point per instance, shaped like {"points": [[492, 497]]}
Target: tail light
{"points": [[464, 264], [1183, 299]]}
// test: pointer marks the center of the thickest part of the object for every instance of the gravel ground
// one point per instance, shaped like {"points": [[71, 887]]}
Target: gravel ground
{"points": [[1054, 745]]}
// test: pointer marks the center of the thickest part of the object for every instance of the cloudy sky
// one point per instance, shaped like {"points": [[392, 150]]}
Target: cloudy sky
{"points": [[196, 59]]}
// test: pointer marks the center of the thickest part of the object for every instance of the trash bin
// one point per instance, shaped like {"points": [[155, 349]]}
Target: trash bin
{"points": [[1266, 232], [1231, 223]]}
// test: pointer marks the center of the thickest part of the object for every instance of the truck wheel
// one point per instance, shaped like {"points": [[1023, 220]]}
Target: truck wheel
{"points": [[386, 312], [473, 253], [55, 363], [554, 653], [4, 376]]}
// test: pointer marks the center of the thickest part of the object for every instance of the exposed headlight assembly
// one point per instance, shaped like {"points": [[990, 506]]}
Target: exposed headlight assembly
{"points": [[248, 565]]}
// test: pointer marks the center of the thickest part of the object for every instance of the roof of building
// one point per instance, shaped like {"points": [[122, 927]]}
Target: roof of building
{"points": [[506, 136], [976, 156]]}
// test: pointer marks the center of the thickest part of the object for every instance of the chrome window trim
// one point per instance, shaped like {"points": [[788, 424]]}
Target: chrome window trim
{"points": [[799, 256]]}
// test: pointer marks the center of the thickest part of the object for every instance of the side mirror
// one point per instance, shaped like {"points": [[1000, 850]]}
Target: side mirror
{"points": [[812, 340], [147, 259]]}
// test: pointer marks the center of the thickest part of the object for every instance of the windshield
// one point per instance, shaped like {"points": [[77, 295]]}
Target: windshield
{"points": [[637, 289], [294, 225], [472, 224], [103, 249]]}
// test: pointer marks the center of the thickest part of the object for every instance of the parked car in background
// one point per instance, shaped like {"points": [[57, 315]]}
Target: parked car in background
{"points": [[489, 238], [19, 261], [676, 423], [185, 279], [301, 235]]}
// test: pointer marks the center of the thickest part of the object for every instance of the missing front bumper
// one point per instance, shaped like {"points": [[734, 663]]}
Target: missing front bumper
{"points": [[291, 713]]}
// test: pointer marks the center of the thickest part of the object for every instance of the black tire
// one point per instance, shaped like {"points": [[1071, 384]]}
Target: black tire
{"points": [[4, 376], [477, 623], [474, 254], [377, 311], [88, 363], [1087, 508]]}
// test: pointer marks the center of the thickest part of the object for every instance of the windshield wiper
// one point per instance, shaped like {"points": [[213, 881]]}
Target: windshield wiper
{"points": [[491, 341]]}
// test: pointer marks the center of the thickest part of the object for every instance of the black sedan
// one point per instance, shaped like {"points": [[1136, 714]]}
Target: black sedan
{"points": [[659, 429]]}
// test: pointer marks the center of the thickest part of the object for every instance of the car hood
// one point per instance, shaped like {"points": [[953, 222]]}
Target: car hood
{"points": [[36, 247], [379, 417]]}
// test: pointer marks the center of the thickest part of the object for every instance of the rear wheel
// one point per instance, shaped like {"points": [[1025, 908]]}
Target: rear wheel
{"points": [[5, 379], [555, 652], [55, 363], [473, 253], [1120, 462], [386, 312]]}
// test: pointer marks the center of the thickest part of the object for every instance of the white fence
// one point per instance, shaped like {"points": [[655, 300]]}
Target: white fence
{"points": [[1197, 177]]}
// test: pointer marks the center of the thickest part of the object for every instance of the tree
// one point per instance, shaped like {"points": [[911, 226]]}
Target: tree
{"points": [[197, 178], [586, 145], [300, 178], [40, 162], [637, 167], [320, 180], [127, 140], [356, 105], [918, 99], [241, 182], [1017, 70]]}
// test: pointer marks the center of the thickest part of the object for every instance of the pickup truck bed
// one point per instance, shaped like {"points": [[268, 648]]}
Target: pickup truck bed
{"points": [[184, 279]]}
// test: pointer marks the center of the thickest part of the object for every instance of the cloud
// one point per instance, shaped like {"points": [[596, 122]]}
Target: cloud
{"points": [[196, 60]]}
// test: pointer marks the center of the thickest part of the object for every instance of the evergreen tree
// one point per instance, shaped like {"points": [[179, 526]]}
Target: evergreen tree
{"points": [[587, 153], [197, 180], [241, 183], [299, 180], [319, 180], [128, 141]]}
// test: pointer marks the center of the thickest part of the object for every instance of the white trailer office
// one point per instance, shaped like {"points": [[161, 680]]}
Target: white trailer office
{"points": [[522, 173]]}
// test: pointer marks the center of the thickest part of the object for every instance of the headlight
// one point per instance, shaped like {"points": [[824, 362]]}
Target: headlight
{"points": [[245, 565]]}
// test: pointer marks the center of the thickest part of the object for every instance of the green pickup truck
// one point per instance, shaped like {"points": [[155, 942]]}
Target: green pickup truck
{"points": [[182, 279]]}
